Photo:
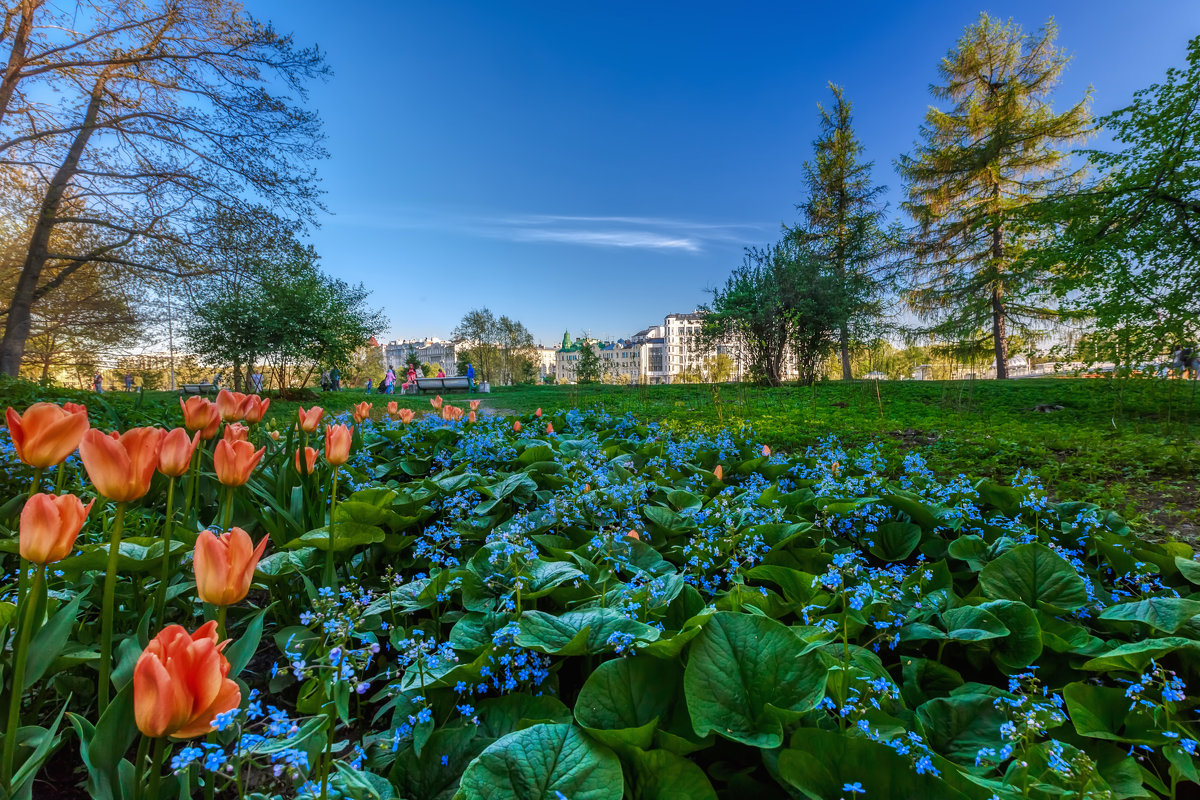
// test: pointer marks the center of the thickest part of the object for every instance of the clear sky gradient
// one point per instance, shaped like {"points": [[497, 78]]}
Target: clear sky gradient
{"points": [[593, 167]]}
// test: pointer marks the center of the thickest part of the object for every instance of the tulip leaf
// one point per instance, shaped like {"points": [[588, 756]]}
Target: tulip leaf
{"points": [[50, 640], [543, 762], [240, 652]]}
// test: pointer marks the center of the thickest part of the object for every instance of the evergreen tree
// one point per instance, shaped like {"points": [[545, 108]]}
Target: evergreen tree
{"points": [[846, 219], [971, 181], [590, 368]]}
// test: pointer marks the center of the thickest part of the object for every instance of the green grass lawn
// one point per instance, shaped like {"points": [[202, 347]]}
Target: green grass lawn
{"points": [[1129, 445]]}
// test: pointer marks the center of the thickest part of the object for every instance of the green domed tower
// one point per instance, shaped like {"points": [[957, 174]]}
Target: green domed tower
{"points": [[566, 340]]}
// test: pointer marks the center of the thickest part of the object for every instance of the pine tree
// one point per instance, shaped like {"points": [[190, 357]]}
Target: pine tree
{"points": [[981, 165], [846, 217]]}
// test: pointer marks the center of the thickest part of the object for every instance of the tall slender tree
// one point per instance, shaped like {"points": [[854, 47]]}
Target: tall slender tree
{"points": [[981, 164], [846, 218]]}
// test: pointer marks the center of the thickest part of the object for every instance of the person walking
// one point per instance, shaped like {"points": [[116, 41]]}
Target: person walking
{"points": [[369, 384], [98, 382], [128, 382], [389, 380], [335, 379], [470, 377]]}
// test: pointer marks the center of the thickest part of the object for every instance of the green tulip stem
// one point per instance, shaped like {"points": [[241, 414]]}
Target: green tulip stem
{"points": [[160, 599], [330, 571], [18, 676], [221, 622], [110, 593], [140, 767], [60, 477], [156, 764], [36, 482]]}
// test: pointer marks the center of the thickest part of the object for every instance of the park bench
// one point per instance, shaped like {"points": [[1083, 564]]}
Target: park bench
{"points": [[443, 384], [198, 388]]}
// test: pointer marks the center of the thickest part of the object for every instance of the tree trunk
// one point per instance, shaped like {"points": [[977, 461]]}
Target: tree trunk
{"points": [[999, 315], [844, 343], [16, 329]]}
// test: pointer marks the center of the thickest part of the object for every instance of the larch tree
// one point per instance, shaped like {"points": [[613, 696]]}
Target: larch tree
{"points": [[846, 219], [151, 116], [981, 164]]}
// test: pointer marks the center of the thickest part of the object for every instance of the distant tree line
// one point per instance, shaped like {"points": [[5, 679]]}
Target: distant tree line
{"points": [[1012, 234]]}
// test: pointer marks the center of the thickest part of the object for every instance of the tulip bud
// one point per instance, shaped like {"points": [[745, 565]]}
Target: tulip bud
{"points": [[120, 467], [538, 413], [200, 414], [224, 565], [310, 461], [475, 405], [236, 432], [235, 461], [181, 683], [517, 426], [406, 415], [49, 526], [471, 417], [436, 403], [549, 427], [255, 408], [337, 444], [393, 409], [274, 436], [46, 434], [231, 405], [766, 451], [175, 457], [634, 535], [310, 420], [719, 473]]}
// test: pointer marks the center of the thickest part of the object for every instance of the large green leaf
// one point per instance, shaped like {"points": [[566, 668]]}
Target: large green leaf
{"points": [[820, 763], [544, 762], [959, 725], [1021, 648], [1134, 656], [895, 541], [1166, 614], [1102, 712], [346, 536], [972, 623], [746, 674], [575, 633], [662, 775], [1033, 574], [622, 702]]}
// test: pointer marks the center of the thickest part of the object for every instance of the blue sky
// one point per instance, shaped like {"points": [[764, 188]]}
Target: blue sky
{"points": [[595, 167]]}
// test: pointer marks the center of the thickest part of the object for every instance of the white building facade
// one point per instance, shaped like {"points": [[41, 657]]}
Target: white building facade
{"points": [[429, 351]]}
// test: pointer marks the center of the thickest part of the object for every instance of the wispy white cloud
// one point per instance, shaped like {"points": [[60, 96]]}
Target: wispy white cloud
{"points": [[645, 233]]}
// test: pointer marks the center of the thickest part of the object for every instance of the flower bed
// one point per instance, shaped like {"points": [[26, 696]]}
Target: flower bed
{"points": [[579, 606]]}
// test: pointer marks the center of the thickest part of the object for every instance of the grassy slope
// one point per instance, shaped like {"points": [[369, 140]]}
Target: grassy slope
{"points": [[1133, 446]]}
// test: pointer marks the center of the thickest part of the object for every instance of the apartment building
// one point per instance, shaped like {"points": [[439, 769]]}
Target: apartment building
{"points": [[429, 351]]}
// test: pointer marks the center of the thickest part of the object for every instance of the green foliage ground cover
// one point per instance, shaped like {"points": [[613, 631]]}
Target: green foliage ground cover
{"points": [[826, 620], [1132, 445]]}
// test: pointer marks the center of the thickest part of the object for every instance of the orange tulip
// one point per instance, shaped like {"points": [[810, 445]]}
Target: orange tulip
{"points": [[255, 408], [224, 565], [517, 426], [362, 412], [766, 451], [274, 436], [121, 467], [181, 683], [393, 409], [634, 535], [405, 415], [232, 405], [337, 444], [549, 427], [234, 461], [236, 432], [538, 413], [75, 408], [436, 402], [201, 414], [719, 473], [310, 420], [450, 413], [176, 454], [471, 417], [474, 405], [46, 434], [310, 461], [49, 525]]}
